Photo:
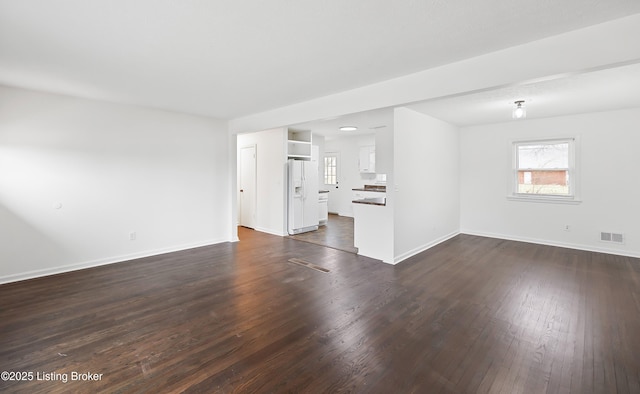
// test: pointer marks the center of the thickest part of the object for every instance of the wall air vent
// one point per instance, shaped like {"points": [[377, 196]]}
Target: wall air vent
{"points": [[612, 237], [615, 237]]}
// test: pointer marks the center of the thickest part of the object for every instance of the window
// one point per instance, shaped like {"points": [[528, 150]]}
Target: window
{"points": [[544, 170], [331, 170]]}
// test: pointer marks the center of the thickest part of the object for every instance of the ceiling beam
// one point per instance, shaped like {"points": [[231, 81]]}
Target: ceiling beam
{"points": [[600, 46]]}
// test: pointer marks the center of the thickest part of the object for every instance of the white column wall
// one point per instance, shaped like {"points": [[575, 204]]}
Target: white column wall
{"points": [[426, 188]]}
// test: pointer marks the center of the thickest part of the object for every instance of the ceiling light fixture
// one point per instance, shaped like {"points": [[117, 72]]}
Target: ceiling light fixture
{"points": [[519, 112], [348, 128]]}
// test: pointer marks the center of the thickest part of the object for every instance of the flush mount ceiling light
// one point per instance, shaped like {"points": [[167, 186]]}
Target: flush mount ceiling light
{"points": [[348, 128], [519, 112]]}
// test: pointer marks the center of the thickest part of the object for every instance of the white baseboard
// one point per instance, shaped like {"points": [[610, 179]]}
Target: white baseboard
{"points": [[106, 261], [588, 248], [424, 247], [344, 214]]}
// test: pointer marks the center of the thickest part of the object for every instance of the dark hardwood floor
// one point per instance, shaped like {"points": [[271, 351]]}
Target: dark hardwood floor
{"points": [[470, 315], [337, 234]]}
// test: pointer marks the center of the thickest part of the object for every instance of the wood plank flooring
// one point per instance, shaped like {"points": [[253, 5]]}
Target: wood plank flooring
{"points": [[337, 234], [470, 315]]}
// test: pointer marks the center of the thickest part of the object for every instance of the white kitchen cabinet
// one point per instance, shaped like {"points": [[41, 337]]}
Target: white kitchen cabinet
{"points": [[299, 144], [367, 159], [373, 231], [323, 211]]}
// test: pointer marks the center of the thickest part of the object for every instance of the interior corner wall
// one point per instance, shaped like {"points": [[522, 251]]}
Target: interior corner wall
{"points": [[426, 195], [78, 177], [270, 178], [232, 183], [319, 141], [608, 164]]}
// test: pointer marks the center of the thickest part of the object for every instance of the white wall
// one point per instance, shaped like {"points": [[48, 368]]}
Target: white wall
{"points": [[319, 141], [112, 169], [426, 192], [610, 190], [349, 176], [271, 178], [384, 151]]}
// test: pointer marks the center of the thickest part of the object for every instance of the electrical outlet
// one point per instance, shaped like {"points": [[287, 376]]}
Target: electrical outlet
{"points": [[132, 236]]}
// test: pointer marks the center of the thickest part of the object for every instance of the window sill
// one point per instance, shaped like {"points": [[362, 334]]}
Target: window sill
{"points": [[545, 199]]}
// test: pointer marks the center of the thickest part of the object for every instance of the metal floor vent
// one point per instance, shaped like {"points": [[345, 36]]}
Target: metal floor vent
{"points": [[308, 265]]}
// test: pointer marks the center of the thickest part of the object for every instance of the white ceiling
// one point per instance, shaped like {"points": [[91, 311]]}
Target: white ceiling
{"points": [[229, 58], [600, 90], [591, 91], [367, 122]]}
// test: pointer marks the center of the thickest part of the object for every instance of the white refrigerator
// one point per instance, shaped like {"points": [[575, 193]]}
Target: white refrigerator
{"points": [[302, 198]]}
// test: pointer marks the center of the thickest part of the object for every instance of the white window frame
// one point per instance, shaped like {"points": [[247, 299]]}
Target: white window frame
{"points": [[325, 167], [574, 179]]}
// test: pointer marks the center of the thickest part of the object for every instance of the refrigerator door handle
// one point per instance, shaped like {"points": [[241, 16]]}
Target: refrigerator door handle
{"points": [[304, 188], [304, 182]]}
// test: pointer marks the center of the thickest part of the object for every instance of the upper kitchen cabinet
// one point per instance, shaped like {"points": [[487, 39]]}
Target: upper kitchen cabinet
{"points": [[299, 144], [367, 159]]}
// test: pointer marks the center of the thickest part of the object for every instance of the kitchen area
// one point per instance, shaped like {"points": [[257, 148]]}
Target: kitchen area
{"points": [[346, 174], [333, 182]]}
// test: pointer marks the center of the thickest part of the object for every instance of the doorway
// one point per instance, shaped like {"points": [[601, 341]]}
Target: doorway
{"points": [[337, 231], [247, 185], [331, 176]]}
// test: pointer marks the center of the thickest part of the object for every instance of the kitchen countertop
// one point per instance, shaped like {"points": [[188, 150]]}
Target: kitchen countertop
{"points": [[368, 189], [381, 201]]}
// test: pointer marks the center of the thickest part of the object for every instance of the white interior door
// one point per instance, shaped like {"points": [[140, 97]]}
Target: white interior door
{"points": [[332, 179], [247, 184]]}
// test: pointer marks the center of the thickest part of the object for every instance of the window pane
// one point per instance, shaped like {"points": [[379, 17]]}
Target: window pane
{"points": [[553, 155], [330, 170], [543, 167], [555, 182]]}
